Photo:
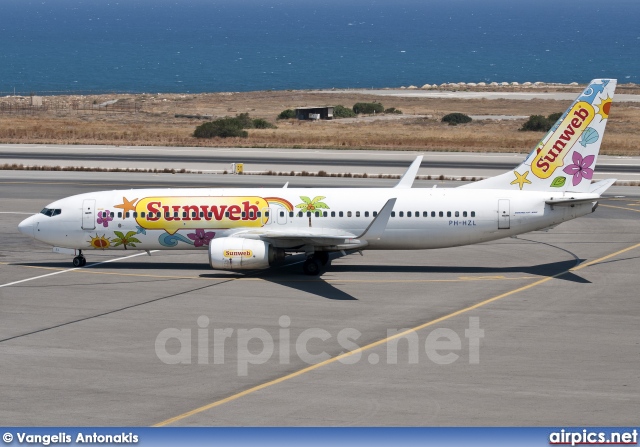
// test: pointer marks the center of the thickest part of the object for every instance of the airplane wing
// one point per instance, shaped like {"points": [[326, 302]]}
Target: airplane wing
{"points": [[333, 239]]}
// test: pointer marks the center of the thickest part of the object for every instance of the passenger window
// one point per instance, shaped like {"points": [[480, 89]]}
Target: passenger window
{"points": [[252, 215], [184, 214], [417, 213], [341, 214], [259, 214], [401, 214], [201, 214], [425, 214], [324, 214], [113, 214], [142, 214], [393, 214], [333, 214], [457, 213], [348, 213], [408, 213], [366, 214], [193, 214], [175, 214], [448, 213], [210, 214], [300, 214], [317, 213], [281, 213], [464, 214], [226, 214], [441, 214], [357, 213], [243, 214], [473, 214], [308, 213], [433, 214], [120, 214], [375, 213], [266, 214], [291, 213], [135, 214]]}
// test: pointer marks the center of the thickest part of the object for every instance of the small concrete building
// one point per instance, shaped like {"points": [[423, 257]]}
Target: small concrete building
{"points": [[315, 113]]}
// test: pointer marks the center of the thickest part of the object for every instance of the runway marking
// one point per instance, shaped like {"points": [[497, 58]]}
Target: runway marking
{"points": [[71, 270], [275, 280], [384, 340]]}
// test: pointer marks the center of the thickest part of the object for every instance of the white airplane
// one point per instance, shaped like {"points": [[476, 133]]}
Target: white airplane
{"points": [[252, 228]]}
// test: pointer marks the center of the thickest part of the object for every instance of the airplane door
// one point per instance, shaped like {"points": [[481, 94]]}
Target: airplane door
{"points": [[282, 217], [88, 214], [267, 216], [504, 221]]}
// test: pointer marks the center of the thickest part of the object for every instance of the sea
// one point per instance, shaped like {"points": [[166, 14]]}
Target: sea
{"points": [[193, 46]]}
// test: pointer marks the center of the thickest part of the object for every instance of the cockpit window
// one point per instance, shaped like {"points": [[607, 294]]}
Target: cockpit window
{"points": [[50, 212]]}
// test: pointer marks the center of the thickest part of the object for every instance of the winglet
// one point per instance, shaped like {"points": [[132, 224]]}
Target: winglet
{"points": [[379, 224], [407, 179]]}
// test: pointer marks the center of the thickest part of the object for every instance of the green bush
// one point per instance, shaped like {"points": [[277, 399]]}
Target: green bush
{"points": [[342, 112], [287, 114], [456, 118], [260, 123], [393, 110], [538, 123], [231, 127], [368, 108]]}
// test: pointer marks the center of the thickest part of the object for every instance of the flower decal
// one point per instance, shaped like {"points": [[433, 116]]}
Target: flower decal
{"points": [[104, 217], [312, 205], [201, 237], [581, 168]]}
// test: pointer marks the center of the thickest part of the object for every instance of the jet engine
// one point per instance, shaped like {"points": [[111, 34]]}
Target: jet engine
{"points": [[230, 253]]}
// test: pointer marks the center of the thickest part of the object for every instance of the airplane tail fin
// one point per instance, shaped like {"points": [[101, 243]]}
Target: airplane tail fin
{"points": [[565, 158]]}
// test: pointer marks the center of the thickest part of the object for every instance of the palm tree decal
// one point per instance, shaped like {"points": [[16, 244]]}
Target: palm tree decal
{"points": [[127, 240], [312, 205]]}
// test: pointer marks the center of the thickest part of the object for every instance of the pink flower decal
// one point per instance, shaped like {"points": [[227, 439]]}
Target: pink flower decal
{"points": [[104, 217], [200, 237], [580, 169]]}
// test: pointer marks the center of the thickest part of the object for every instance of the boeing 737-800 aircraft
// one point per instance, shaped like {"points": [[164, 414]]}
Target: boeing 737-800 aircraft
{"points": [[254, 228]]}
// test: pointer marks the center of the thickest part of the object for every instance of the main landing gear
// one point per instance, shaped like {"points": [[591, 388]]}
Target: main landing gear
{"points": [[79, 261], [314, 263]]}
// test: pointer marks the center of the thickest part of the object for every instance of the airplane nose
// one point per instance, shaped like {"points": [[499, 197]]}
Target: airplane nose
{"points": [[26, 226]]}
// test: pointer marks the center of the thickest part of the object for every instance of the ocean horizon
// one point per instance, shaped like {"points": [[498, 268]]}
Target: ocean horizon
{"points": [[195, 46]]}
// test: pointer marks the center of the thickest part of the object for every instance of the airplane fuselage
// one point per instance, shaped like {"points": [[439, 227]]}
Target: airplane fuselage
{"points": [[152, 219]]}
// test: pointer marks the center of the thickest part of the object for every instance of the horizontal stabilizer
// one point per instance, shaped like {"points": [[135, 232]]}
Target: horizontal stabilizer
{"points": [[568, 201]]}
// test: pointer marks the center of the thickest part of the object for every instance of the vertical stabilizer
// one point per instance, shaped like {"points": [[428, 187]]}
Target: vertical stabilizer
{"points": [[566, 157]]}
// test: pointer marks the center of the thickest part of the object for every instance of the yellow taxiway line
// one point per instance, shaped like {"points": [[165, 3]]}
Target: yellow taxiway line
{"points": [[302, 371]]}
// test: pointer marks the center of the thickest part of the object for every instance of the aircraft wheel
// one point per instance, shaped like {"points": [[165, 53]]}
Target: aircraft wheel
{"points": [[77, 261], [322, 256], [83, 261], [311, 266]]}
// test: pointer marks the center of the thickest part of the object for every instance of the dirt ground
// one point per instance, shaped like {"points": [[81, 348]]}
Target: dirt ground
{"points": [[170, 119]]}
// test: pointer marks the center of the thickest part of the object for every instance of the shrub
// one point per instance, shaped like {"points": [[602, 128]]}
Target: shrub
{"points": [[368, 108], [456, 118], [342, 112], [223, 128], [287, 114], [538, 123], [393, 110], [260, 123]]}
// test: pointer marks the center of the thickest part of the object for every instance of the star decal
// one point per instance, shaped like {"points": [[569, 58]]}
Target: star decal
{"points": [[521, 179], [126, 206]]}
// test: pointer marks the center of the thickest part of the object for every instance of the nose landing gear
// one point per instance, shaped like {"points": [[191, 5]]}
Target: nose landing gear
{"points": [[79, 261]]}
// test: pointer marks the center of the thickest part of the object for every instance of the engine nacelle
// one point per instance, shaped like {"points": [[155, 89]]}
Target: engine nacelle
{"points": [[236, 253]]}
